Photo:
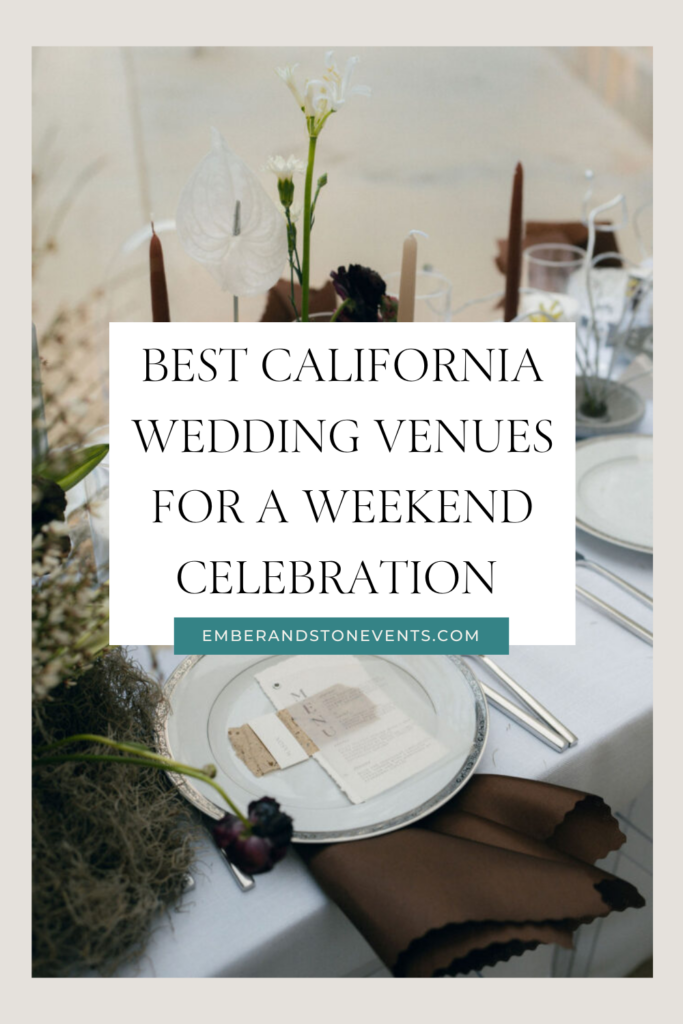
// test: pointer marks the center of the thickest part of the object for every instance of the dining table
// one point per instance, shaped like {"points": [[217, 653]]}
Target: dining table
{"points": [[396, 162], [601, 688]]}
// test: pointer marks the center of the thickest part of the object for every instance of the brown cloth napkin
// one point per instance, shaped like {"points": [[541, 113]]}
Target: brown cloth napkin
{"points": [[570, 232], [506, 865], [279, 306]]}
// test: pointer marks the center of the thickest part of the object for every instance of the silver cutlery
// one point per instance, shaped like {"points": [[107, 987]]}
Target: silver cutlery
{"points": [[612, 613], [245, 882], [600, 569], [534, 705], [528, 722]]}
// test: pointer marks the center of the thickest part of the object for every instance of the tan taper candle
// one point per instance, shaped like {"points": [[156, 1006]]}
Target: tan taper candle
{"points": [[406, 294]]}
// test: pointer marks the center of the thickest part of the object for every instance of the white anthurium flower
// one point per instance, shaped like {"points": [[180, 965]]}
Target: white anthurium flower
{"points": [[248, 263], [284, 170]]}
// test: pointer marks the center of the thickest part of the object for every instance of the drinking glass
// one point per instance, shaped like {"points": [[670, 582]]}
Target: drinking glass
{"points": [[550, 266], [432, 295]]}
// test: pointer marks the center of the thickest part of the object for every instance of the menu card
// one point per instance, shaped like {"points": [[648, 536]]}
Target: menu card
{"points": [[364, 741]]}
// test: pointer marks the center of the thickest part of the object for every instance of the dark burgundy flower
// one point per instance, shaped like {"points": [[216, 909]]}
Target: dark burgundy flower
{"points": [[258, 846], [362, 288]]}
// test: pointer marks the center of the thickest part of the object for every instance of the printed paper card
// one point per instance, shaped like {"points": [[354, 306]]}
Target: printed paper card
{"points": [[365, 742]]}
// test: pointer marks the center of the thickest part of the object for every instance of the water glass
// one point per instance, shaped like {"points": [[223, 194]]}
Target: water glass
{"points": [[550, 266], [432, 295]]}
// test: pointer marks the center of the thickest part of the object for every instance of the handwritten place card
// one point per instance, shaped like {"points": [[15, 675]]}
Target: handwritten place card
{"points": [[270, 743]]}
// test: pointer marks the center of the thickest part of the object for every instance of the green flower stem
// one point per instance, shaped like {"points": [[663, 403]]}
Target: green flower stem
{"points": [[291, 288], [85, 639], [293, 256], [291, 237], [345, 303], [321, 184], [105, 741], [306, 257], [142, 758]]}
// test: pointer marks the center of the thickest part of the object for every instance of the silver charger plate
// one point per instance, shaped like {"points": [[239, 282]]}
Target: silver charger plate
{"points": [[207, 695], [614, 489]]}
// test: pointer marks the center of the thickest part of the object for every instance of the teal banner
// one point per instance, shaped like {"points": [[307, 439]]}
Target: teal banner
{"points": [[341, 636]]}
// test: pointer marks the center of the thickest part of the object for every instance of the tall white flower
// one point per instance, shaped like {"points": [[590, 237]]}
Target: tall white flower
{"points": [[323, 96], [247, 262], [340, 84], [287, 74]]}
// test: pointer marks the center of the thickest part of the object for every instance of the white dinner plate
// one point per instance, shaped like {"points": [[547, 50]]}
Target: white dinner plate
{"points": [[207, 695], [614, 489]]}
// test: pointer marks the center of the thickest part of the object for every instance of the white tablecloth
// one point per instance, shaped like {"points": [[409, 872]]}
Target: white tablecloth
{"points": [[601, 688]]}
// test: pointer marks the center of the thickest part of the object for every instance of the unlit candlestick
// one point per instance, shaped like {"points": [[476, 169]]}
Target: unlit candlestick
{"points": [[406, 294], [157, 280], [514, 255]]}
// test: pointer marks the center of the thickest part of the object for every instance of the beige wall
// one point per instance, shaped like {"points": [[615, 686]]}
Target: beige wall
{"points": [[620, 75]]}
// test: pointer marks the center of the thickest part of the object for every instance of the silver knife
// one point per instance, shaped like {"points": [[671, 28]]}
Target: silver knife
{"points": [[623, 620], [612, 576], [528, 722], [534, 705]]}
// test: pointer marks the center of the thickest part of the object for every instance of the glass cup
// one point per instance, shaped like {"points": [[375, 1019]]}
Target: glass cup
{"points": [[432, 295], [549, 267]]}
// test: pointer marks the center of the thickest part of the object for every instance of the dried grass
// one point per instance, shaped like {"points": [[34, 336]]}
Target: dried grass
{"points": [[111, 843]]}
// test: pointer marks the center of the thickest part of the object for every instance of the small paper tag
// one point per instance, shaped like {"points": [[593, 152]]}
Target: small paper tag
{"points": [[270, 743], [275, 735], [305, 741], [251, 751]]}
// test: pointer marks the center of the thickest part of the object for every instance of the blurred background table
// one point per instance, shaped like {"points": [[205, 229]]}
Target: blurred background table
{"points": [[119, 132]]}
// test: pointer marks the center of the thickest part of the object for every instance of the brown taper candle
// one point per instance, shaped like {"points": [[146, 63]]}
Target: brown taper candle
{"points": [[157, 279], [514, 255]]}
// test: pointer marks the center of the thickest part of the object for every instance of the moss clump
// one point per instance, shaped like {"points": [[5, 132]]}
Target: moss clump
{"points": [[111, 843]]}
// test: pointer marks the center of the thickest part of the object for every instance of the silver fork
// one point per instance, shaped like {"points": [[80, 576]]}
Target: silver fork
{"points": [[633, 627], [587, 563]]}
